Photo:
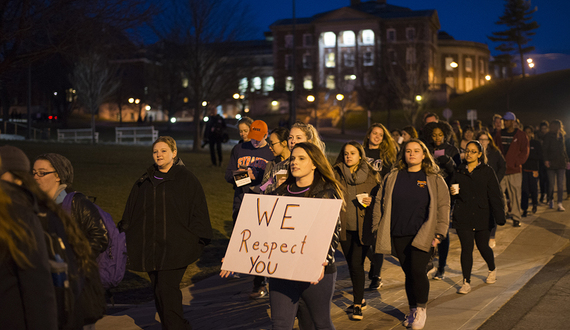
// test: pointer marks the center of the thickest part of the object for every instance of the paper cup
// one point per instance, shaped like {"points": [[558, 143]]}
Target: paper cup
{"points": [[360, 197], [455, 187]]}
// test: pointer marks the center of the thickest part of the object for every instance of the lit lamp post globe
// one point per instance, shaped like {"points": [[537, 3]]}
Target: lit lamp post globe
{"points": [[487, 77], [311, 99], [453, 65], [340, 97]]}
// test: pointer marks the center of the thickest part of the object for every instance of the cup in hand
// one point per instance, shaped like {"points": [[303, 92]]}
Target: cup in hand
{"points": [[455, 189], [360, 198]]}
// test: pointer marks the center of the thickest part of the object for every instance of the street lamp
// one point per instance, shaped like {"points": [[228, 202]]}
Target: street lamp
{"points": [[488, 77], [236, 96], [418, 98], [311, 99], [131, 100], [453, 65], [340, 97]]}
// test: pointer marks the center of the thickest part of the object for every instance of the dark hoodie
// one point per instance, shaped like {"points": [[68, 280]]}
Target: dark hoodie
{"points": [[166, 220]]}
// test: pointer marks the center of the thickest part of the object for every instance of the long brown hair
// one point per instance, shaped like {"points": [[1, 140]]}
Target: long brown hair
{"points": [[75, 237], [363, 161], [388, 148], [492, 143], [428, 164], [323, 173]]}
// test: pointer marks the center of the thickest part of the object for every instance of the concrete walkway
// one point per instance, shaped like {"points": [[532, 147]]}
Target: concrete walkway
{"points": [[521, 253]]}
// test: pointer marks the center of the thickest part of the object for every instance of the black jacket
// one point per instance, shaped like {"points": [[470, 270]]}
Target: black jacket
{"points": [[479, 204], [534, 157], [554, 150], [27, 296], [448, 162], [166, 221], [91, 223], [497, 161]]}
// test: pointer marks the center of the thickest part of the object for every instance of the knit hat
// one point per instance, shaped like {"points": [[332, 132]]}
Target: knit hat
{"points": [[13, 159], [61, 165]]}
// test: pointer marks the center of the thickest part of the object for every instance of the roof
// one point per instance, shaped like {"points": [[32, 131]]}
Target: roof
{"points": [[375, 8]]}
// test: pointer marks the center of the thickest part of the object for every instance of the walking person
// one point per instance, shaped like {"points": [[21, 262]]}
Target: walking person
{"points": [[513, 144], [477, 208], [556, 161], [530, 170], [310, 175], [360, 186], [411, 233], [542, 173], [278, 145], [167, 224], [214, 133]]}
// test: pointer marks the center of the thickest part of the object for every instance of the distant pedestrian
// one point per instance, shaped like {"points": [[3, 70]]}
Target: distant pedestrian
{"points": [[215, 134], [411, 233], [513, 143], [167, 224], [556, 161], [477, 208], [360, 185], [544, 185]]}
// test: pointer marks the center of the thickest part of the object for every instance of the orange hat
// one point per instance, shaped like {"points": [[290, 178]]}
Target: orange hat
{"points": [[257, 130]]}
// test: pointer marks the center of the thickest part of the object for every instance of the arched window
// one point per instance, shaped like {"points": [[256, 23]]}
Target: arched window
{"points": [[329, 39], [367, 37], [348, 38]]}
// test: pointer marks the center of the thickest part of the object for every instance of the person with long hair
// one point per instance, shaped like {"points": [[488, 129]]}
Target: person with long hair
{"points": [[357, 177], [466, 135], [478, 207], [26, 287], [167, 224], [411, 233], [310, 175], [497, 162], [408, 133], [279, 146], [301, 132], [82, 268], [556, 161], [381, 149]]}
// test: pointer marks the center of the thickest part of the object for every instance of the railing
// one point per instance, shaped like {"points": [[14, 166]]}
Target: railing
{"points": [[36, 132]]}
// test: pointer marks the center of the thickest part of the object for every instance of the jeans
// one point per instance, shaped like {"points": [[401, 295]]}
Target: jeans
{"points": [[529, 188], [168, 298], [413, 262], [481, 238], [284, 298], [512, 183], [556, 177], [355, 254]]}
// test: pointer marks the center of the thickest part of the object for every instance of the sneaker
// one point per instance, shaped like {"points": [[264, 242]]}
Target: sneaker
{"points": [[550, 204], [362, 306], [533, 209], [376, 283], [465, 288], [258, 292], [524, 214], [492, 243], [439, 275], [419, 318], [410, 318], [516, 223], [561, 208], [356, 313], [492, 277]]}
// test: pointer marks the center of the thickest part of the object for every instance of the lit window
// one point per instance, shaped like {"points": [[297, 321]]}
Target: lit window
{"points": [[410, 55], [308, 82], [468, 84], [257, 83], [348, 59], [307, 61], [330, 82], [307, 40], [368, 58], [367, 37], [448, 67], [289, 41], [289, 84], [348, 38], [269, 84], [350, 77], [242, 85], [411, 33], [329, 60], [329, 39], [468, 65], [391, 35]]}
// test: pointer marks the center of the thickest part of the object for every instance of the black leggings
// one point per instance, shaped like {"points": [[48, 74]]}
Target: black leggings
{"points": [[481, 238], [413, 262], [355, 254]]}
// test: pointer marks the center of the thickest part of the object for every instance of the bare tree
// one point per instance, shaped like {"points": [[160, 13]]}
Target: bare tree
{"points": [[204, 31], [95, 81]]}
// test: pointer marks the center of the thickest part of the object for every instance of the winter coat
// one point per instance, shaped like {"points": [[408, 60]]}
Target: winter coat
{"points": [[362, 181], [437, 222], [518, 151], [497, 162], [91, 223], [27, 296], [167, 223], [479, 204], [535, 156], [554, 150]]}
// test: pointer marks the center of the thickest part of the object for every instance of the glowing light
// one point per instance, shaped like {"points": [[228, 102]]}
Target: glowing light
{"points": [[529, 60], [453, 65], [339, 97], [204, 103], [147, 108], [274, 103], [311, 98], [55, 93], [236, 96], [531, 65], [238, 116], [185, 100], [131, 100], [487, 77], [137, 101], [418, 98], [173, 120], [206, 119], [246, 110]]}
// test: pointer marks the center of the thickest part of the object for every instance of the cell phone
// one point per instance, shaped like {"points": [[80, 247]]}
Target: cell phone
{"points": [[439, 153]]}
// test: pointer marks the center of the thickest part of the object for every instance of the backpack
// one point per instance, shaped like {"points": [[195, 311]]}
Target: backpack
{"points": [[113, 261]]}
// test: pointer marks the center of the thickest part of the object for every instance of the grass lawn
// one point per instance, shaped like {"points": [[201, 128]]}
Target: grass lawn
{"points": [[108, 172]]}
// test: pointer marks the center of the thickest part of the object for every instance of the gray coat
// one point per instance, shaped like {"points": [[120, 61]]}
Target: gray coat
{"points": [[438, 217]]}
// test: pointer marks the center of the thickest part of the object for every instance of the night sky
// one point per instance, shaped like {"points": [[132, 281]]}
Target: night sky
{"points": [[469, 20]]}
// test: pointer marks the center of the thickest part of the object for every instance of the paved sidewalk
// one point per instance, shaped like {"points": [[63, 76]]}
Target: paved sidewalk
{"points": [[217, 303]]}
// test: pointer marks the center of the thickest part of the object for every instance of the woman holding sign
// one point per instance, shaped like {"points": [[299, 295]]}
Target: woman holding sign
{"points": [[478, 208], [411, 233], [360, 183], [310, 175]]}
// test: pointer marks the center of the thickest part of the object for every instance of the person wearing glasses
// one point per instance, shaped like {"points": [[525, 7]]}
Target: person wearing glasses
{"points": [[478, 208], [54, 174], [277, 142]]}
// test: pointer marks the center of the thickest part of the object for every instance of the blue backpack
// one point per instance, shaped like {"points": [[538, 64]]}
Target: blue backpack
{"points": [[113, 261]]}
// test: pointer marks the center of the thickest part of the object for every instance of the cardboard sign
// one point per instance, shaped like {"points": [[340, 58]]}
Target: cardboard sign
{"points": [[283, 237]]}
